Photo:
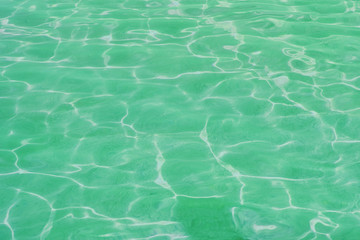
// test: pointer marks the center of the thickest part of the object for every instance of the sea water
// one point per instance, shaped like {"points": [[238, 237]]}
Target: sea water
{"points": [[188, 119]]}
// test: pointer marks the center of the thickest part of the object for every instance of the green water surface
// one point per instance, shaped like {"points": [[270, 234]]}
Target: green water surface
{"points": [[187, 119]]}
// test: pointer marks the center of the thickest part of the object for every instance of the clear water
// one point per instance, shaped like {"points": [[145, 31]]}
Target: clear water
{"points": [[201, 119]]}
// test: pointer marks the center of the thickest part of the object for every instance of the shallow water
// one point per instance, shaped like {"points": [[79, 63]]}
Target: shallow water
{"points": [[185, 119]]}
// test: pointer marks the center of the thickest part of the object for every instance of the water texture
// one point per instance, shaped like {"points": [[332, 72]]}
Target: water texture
{"points": [[188, 119]]}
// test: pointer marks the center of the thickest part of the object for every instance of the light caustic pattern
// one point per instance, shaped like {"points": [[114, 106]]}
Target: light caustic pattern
{"points": [[182, 119]]}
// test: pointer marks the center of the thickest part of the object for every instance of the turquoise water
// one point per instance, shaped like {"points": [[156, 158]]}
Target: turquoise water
{"points": [[203, 119]]}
